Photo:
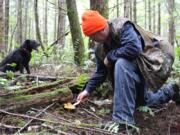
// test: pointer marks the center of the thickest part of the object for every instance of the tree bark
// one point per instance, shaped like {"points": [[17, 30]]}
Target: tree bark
{"points": [[134, 12], [101, 6], [117, 3], [38, 34], [159, 18], [19, 22], [171, 22], [1, 24], [61, 23], [45, 33], [149, 12], [126, 8], [78, 43], [26, 3], [154, 17], [6, 24], [145, 14]]}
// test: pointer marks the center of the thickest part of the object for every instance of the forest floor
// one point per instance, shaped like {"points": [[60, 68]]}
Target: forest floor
{"points": [[85, 119]]}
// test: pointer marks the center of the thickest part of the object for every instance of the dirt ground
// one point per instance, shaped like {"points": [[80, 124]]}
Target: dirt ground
{"points": [[86, 118]]}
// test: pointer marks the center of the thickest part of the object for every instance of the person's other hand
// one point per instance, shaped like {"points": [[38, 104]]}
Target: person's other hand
{"points": [[82, 96], [107, 62]]}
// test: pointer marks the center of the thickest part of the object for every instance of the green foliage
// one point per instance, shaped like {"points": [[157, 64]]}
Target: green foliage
{"points": [[104, 111], [9, 74], [3, 82], [177, 50], [145, 109], [81, 81]]}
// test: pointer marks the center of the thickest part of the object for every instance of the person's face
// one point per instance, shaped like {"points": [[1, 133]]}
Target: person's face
{"points": [[100, 36]]}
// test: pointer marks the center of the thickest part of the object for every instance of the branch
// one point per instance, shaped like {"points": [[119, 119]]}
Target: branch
{"points": [[33, 119]]}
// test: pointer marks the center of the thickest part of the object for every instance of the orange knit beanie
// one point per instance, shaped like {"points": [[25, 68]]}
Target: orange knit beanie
{"points": [[92, 22]]}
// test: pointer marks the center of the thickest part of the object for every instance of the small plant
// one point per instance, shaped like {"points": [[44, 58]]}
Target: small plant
{"points": [[9, 74], [146, 109]]}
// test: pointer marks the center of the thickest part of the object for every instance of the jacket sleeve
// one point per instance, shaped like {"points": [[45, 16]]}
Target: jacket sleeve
{"points": [[98, 77], [130, 44]]}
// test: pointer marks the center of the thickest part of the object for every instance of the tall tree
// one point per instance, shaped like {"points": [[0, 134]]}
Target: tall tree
{"points": [[6, 24], [55, 19], [171, 21], [45, 32], [134, 11], [38, 34], [149, 14], [26, 20], [154, 17], [19, 22], [76, 34], [126, 8], [61, 22], [145, 13], [1, 24], [117, 3], [159, 18], [101, 6]]}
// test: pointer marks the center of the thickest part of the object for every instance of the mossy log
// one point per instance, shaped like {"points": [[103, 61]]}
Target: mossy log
{"points": [[37, 95], [59, 91], [22, 102]]}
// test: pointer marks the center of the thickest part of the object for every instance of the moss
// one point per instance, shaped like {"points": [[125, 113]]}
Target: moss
{"points": [[28, 98]]}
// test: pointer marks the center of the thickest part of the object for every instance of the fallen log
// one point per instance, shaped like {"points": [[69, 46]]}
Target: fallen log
{"points": [[23, 102], [59, 91]]}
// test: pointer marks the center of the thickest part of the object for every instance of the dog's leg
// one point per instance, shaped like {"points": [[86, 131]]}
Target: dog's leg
{"points": [[21, 68], [27, 69]]}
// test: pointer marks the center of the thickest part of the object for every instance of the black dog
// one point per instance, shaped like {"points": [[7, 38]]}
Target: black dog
{"points": [[19, 58]]}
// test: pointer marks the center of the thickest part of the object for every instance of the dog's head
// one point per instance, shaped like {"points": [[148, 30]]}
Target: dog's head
{"points": [[30, 45]]}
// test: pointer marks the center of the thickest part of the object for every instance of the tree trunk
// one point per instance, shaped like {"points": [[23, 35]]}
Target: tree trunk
{"points": [[6, 24], [101, 6], [45, 33], [154, 17], [61, 22], [19, 22], [134, 12], [149, 12], [126, 8], [130, 10], [145, 14], [38, 34], [159, 18], [117, 3], [76, 34], [171, 22], [55, 20], [1, 24], [26, 3]]}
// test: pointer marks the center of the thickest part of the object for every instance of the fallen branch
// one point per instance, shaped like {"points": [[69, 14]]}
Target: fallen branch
{"points": [[92, 113], [9, 126], [54, 129], [27, 116], [33, 119]]}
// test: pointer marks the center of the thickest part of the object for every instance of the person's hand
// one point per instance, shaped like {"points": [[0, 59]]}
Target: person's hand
{"points": [[107, 63], [82, 96]]}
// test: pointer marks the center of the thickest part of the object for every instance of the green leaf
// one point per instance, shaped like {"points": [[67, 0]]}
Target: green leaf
{"points": [[146, 109], [9, 74]]}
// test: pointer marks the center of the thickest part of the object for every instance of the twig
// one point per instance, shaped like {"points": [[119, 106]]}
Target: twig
{"points": [[52, 115], [92, 113], [54, 129], [9, 126], [27, 116], [33, 119], [159, 110]]}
